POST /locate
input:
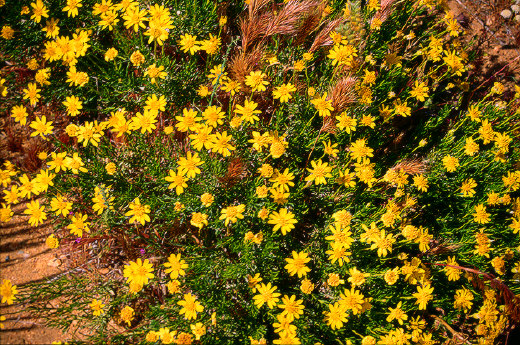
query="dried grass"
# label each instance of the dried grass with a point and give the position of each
(243, 63)
(289, 19)
(323, 37)
(384, 12)
(411, 167)
(343, 94)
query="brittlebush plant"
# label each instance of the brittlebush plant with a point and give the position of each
(262, 172)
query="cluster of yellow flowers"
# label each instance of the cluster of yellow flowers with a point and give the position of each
(341, 161)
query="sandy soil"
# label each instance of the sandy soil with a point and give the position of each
(24, 258)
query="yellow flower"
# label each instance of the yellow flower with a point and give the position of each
(296, 264)
(342, 54)
(306, 286)
(36, 212)
(134, 18)
(72, 7)
(203, 91)
(7, 291)
(97, 307)
(402, 108)
(111, 54)
(352, 300)
(481, 216)
(189, 44)
(346, 123)
(189, 165)
(52, 242)
(175, 266)
(319, 172)
(79, 224)
(32, 93)
(255, 80)
(450, 163)
(322, 105)
(137, 58)
(5, 213)
(51, 28)
(391, 276)
(155, 72)
(155, 104)
(357, 278)
(359, 150)
(178, 181)
(423, 295)
(110, 168)
(232, 213)
(467, 187)
(173, 286)
(73, 105)
(39, 11)
(199, 219)
(397, 314)
(292, 308)
(420, 91)
(334, 279)
(463, 299)
(75, 163)
(299, 65)
(7, 32)
(138, 212)
(266, 294)
(283, 220)
(248, 111)
(138, 272)
(383, 243)
(452, 273)
(190, 307)
(19, 113)
(108, 20)
(198, 330)
(127, 314)
(211, 45)
(283, 92)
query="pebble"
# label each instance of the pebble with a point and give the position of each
(506, 14)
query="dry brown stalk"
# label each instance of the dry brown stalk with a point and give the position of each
(457, 338)
(384, 11)
(511, 301)
(289, 18)
(412, 166)
(255, 6)
(343, 94)
(323, 38)
(236, 171)
(243, 63)
(253, 29)
(310, 23)
(329, 125)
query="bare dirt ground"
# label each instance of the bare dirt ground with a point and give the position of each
(497, 38)
(24, 258)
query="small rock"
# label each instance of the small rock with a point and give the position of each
(515, 8)
(103, 271)
(506, 14)
(517, 18)
(54, 262)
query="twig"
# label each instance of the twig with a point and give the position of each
(454, 333)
